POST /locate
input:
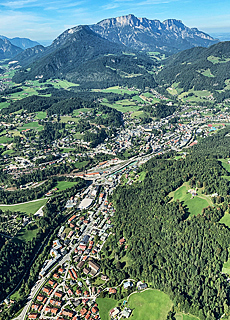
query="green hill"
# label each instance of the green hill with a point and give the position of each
(81, 56)
(199, 69)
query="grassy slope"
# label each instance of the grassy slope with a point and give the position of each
(105, 305)
(63, 185)
(28, 208)
(182, 316)
(196, 204)
(150, 304)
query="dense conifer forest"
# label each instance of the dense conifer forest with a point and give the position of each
(180, 254)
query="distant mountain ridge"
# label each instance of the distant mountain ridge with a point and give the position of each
(23, 43)
(8, 50)
(112, 52)
(152, 35)
(84, 57)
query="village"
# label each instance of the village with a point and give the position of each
(72, 278)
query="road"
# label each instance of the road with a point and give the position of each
(71, 248)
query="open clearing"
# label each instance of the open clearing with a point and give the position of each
(31, 125)
(27, 235)
(105, 305)
(194, 204)
(226, 267)
(28, 208)
(63, 185)
(226, 219)
(117, 89)
(150, 304)
(182, 316)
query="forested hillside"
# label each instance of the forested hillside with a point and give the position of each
(181, 255)
(199, 69)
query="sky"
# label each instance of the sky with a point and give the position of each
(46, 19)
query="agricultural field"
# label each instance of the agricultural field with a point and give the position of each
(41, 115)
(150, 304)
(66, 119)
(225, 164)
(64, 84)
(216, 60)
(119, 106)
(28, 207)
(78, 111)
(27, 235)
(206, 73)
(105, 305)
(31, 125)
(196, 96)
(138, 114)
(226, 219)
(63, 185)
(182, 316)
(4, 105)
(226, 267)
(195, 204)
(118, 90)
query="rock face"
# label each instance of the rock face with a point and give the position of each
(143, 34)
(8, 50)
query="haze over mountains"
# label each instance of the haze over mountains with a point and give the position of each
(23, 43)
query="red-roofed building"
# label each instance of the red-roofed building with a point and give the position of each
(83, 311)
(35, 307)
(54, 311)
(71, 275)
(51, 282)
(94, 309)
(33, 316)
(70, 292)
(47, 310)
(58, 294)
(47, 291)
(60, 270)
(122, 241)
(72, 218)
(40, 298)
(112, 290)
(67, 313)
(74, 273)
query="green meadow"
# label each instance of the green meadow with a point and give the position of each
(150, 304)
(194, 204)
(29, 207)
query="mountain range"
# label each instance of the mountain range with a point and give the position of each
(23, 43)
(152, 35)
(118, 51)
(84, 57)
(8, 50)
(140, 34)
